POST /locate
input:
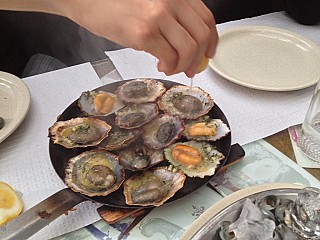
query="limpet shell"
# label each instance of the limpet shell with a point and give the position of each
(99, 103)
(195, 159)
(136, 115)
(120, 138)
(94, 173)
(162, 131)
(79, 132)
(186, 102)
(205, 129)
(140, 90)
(140, 157)
(153, 187)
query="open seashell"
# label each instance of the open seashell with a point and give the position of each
(139, 157)
(140, 90)
(79, 132)
(186, 102)
(136, 115)
(94, 173)
(120, 138)
(205, 129)
(153, 187)
(99, 103)
(162, 131)
(195, 159)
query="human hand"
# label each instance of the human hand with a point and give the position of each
(178, 32)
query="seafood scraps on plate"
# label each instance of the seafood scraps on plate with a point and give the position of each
(135, 128)
(277, 217)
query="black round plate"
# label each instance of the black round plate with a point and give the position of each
(60, 155)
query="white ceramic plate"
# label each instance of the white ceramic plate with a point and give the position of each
(225, 207)
(267, 58)
(14, 103)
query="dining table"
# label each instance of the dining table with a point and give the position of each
(260, 122)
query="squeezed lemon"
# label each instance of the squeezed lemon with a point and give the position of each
(203, 64)
(10, 203)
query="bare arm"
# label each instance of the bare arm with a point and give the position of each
(59, 7)
(178, 32)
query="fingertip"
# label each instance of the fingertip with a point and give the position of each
(160, 67)
(211, 52)
(190, 73)
(167, 69)
(169, 73)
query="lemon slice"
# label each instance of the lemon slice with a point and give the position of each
(203, 64)
(10, 203)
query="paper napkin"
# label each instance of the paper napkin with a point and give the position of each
(24, 156)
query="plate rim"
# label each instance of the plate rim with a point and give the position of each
(282, 32)
(227, 201)
(23, 105)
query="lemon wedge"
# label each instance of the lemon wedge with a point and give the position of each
(10, 203)
(203, 64)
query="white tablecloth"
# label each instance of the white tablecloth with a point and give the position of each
(24, 156)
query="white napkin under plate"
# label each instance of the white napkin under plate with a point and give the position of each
(24, 156)
(252, 114)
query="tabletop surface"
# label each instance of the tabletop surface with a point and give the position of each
(177, 216)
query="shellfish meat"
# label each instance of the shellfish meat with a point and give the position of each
(120, 138)
(79, 132)
(94, 173)
(186, 102)
(136, 115)
(205, 129)
(153, 187)
(139, 157)
(162, 131)
(140, 90)
(99, 103)
(195, 159)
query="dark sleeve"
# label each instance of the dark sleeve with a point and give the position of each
(304, 11)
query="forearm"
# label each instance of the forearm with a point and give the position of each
(58, 7)
(180, 33)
